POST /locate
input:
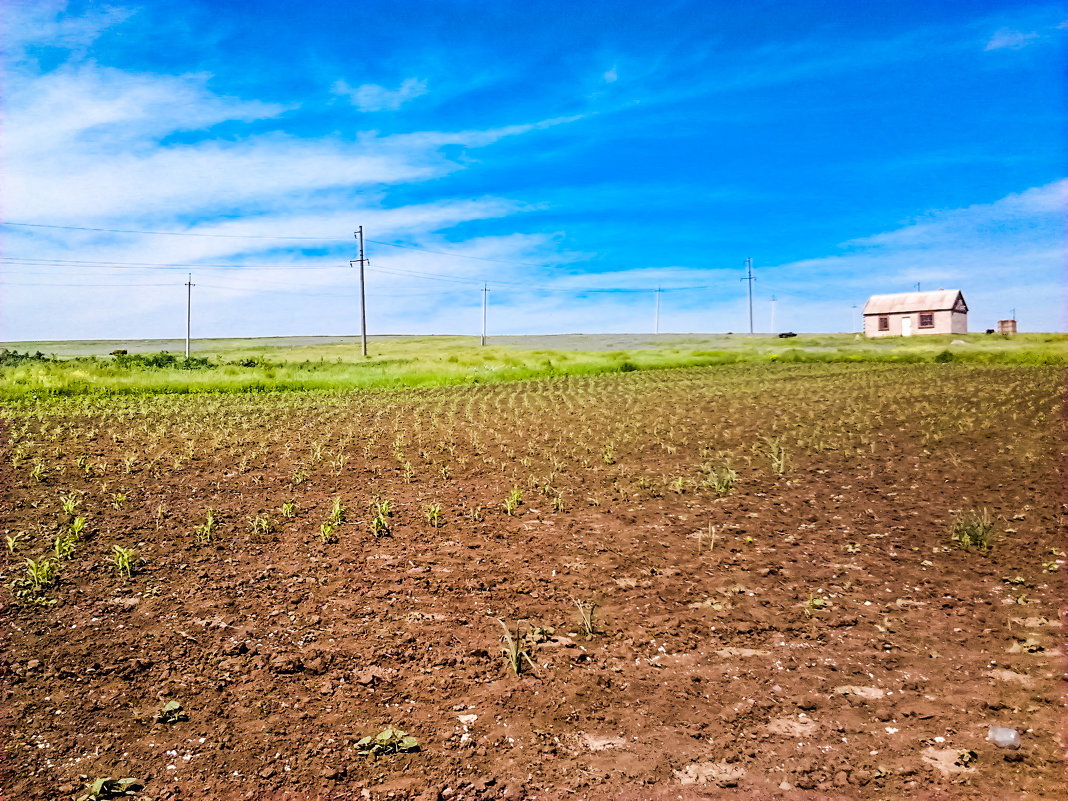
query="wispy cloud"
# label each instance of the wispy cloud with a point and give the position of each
(372, 97)
(1006, 38)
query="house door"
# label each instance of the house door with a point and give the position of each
(906, 326)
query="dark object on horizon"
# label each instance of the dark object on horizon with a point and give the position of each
(120, 352)
(990, 330)
(787, 335)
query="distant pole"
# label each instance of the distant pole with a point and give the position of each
(1014, 314)
(656, 323)
(917, 286)
(772, 314)
(363, 293)
(485, 303)
(749, 277)
(854, 317)
(188, 311)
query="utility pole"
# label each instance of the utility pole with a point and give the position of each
(188, 311)
(1014, 314)
(656, 323)
(854, 317)
(917, 286)
(772, 314)
(485, 303)
(363, 294)
(749, 277)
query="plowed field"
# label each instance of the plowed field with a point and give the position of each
(734, 582)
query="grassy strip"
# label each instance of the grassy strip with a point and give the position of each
(439, 361)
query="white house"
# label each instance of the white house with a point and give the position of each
(908, 313)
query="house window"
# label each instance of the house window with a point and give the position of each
(884, 322)
(926, 319)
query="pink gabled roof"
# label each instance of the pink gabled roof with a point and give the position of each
(903, 302)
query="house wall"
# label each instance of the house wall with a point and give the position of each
(945, 322)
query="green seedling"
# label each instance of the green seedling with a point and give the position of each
(815, 603)
(289, 510)
(608, 455)
(203, 533)
(514, 499)
(433, 514)
(77, 526)
(388, 741)
(83, 463)
(40, 573)
(515, 653)
(722, 479)
(973, 529)
(337, 512)
(172, 712)
(37, 576)
(852, 547)
(379, 526)
(118, 499)
(125, 560)
(70, 503)
(586, 610)
(408, 474)
(65, 544)
(13, 540)
(327, 533)
(300, 475)
(261, 525)
(38, 472)
(558, 503)
(102, 789)
(476, 514)
(445, 472)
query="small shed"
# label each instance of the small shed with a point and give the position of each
(906, 313)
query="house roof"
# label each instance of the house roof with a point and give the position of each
(904, 302)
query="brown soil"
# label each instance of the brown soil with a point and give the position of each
(813, 634)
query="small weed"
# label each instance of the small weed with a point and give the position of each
(172, 712)
(608, 455)
(476, 514)
(558, 503)
(408, 474)
(388, 741)
(101, 789)
(289, 510)
(300, 475)
(118, 499)
(38, 472)
(852, 547)
(973, 529)
(678, 486)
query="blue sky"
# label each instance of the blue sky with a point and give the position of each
(575, 156)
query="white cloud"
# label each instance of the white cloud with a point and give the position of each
(372, 97)
(1007, 38)
(611, 76)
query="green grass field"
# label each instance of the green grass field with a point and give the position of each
(335, 363)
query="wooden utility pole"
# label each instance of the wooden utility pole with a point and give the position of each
(363, 292)
(485, 303)
(749, 277)
(188, 311)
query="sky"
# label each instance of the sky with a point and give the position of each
(572, 158)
